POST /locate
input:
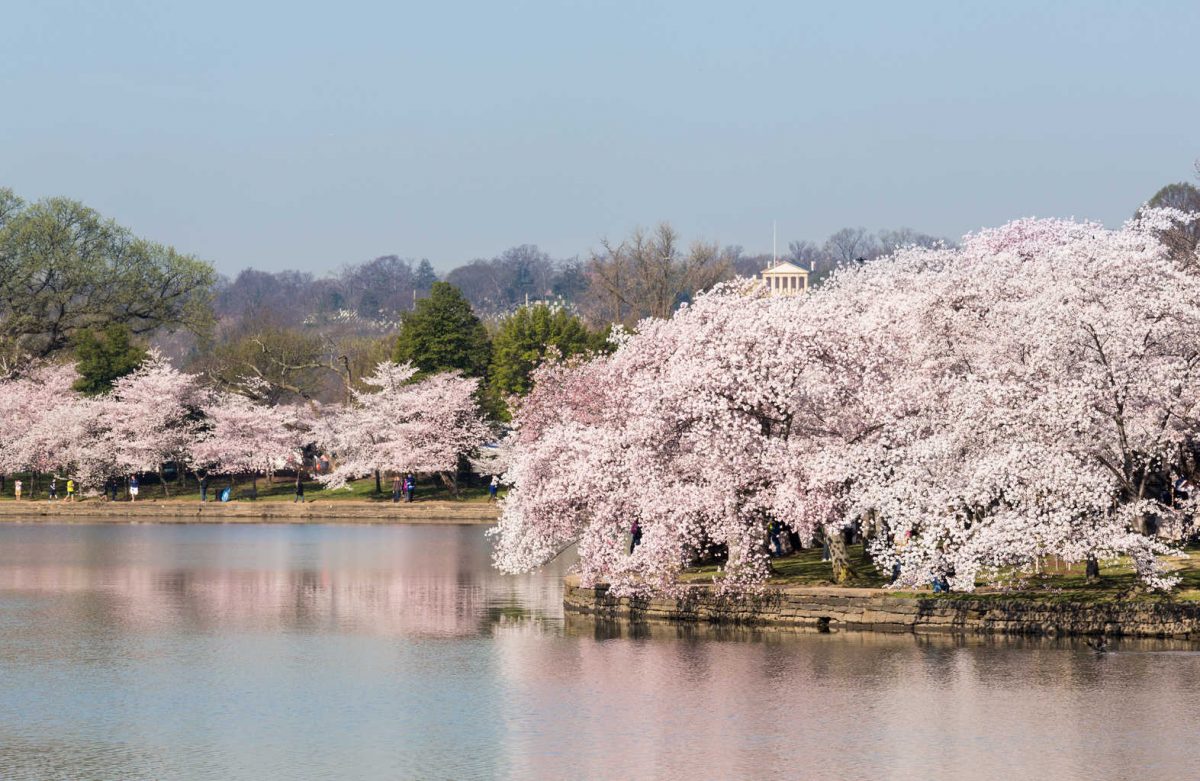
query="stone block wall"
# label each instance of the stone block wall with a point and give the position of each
(880, 610)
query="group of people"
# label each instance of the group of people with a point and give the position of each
(53, 488)
(112, 487)
(407, 485)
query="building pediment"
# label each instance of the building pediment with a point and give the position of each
(784, 268)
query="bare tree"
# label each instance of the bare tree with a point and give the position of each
(850, 244)
(648, 275)
(498, 284)
(891, 240)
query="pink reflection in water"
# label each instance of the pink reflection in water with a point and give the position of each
(318, 652)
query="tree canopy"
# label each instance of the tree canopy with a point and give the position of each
(443, 334)
(523, 338)
(973, 410)
(64, 268)
(105, 355)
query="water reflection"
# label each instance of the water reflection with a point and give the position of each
(397, 652)
(370, 580)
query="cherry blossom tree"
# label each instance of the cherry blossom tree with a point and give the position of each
(973, 410)
(240, 436)
(494, 458)
(688, 431)
(401, 426)
(35, 417)
(152, 416)
(46, 427)
(1064, 358)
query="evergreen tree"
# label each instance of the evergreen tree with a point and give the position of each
(522, 341)
(443, 334)
(104, 356)
(425, 276)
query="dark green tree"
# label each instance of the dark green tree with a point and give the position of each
(104, 355)
(443, 334)
(523, 339)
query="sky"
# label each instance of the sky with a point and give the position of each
(309, 136)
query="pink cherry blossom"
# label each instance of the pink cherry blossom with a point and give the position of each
(400, 426)
(975, 410)
(240, 436)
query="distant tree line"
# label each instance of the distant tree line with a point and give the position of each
(75, 284)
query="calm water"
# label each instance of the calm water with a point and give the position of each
(298, 652)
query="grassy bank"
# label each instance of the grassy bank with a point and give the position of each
(1056, 581)
(245, 490)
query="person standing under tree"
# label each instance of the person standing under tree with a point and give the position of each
(635, 535)
(70, 489)
(396, 487)
(53, 487)
(17, 489)
(299, 488)
(773, 534)
(410, 487)
(493, 488)
(134, 487)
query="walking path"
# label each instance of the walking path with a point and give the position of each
(181, 511)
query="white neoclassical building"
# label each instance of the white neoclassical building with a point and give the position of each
(785, 279)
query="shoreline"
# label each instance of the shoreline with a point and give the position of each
(833, 608)
(181, 511)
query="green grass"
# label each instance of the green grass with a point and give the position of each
(1055, 583)
(282, 490)
(804, 568)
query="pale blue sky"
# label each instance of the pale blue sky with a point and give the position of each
(311, 135)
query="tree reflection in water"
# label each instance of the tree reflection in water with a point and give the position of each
(356, 651)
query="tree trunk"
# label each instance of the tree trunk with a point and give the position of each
(378, 483)
(254, 485)
(838, 558)
(1092, 570)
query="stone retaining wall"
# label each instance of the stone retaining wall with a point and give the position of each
(880, 610)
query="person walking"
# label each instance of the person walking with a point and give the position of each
(70, 489)
(134, 487)
(204, 488)
(17, 489)
(635, 534)
(410, 487)
(299, 488)
(397, 485)
(113, 487)
(773, 531)
(493, 488)
(53, 488)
